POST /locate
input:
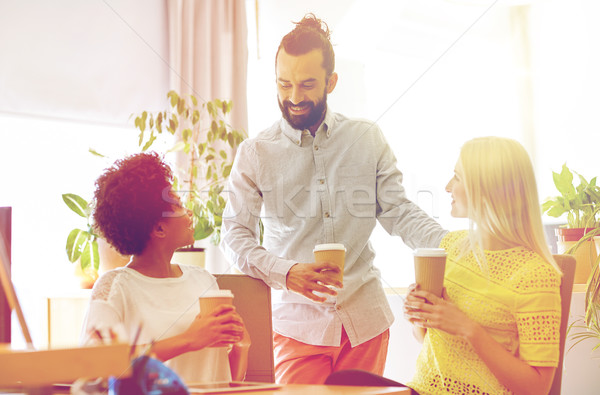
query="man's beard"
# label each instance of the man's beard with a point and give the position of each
(304, 121)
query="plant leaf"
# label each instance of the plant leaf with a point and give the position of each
(174, 98)
(202, 229)
(180, 145)
(227, 171)
(75, 241)
(149, 142)
(94, 152)
(76, 203)
(186, 134)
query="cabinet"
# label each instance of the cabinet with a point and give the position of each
(66, 312)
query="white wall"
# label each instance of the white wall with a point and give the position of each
(71, 74)
(435, 74)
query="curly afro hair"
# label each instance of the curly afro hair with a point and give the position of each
(130, 198)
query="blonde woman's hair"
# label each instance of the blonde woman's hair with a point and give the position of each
(502, 196)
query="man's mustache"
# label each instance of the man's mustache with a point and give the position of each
(287, 104)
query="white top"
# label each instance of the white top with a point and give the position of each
(332, 188)
(165, 307)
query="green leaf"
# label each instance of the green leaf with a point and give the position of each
(194, 100)
(227, 171)
(141, 138)
(556, 212)
(140, 123)
(180, 145)
(218, 220)
(210, 107)
(76, 239)
(173, 123)
(228, 107)
(149, 142)
(202, 229)
(564, 182)
(77, 204)
(90, 256)
(174, 98)
(181, 106)
(223, 154)
(94, 152)
(186, 134)
(195, 117)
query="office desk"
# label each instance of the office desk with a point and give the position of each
(303, 389)
(290, 389)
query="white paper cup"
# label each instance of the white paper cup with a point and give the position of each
(332, 252)
(211, 299)
(430, 264)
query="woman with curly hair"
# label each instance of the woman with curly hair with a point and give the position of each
(137, 211)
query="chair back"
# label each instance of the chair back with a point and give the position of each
(252, 300)
(567, 265)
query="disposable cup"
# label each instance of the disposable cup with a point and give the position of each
(430, 264)
(331, 252)
(211, 299)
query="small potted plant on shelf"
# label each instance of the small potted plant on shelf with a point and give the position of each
(581, 204)
(199, 135)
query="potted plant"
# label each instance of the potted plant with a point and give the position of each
(90, 253)
(198, 134)
(82, 244)
(588, 327)
(581, 204)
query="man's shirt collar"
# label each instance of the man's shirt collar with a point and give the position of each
(295, 135)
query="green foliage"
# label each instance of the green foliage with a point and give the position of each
(592, 293)
(200, 133)
(581, 203)
(81, 244)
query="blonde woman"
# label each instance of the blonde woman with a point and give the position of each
(496, 329)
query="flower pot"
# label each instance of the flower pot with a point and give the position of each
(190, 256)
(86, 278)
(585, 255)
(570, 234)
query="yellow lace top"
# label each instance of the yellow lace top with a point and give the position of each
(518, 303)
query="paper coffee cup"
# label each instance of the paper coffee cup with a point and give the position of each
(211, 299)
(430, 264)
(332, 252)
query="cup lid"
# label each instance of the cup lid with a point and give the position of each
(329, 246)
(430, 252)
(217, 293)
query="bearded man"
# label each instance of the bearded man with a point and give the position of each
(318, 177)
